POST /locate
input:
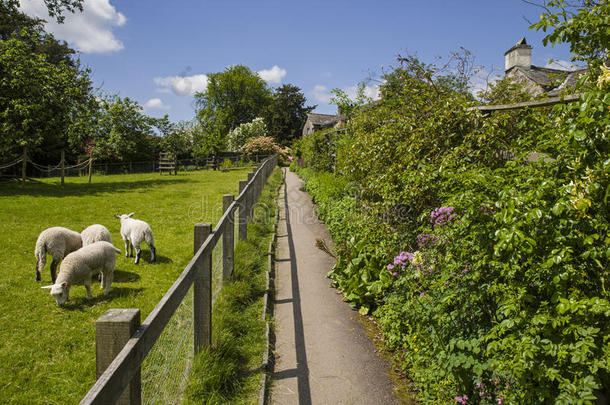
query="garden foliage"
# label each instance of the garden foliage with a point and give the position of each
(480, 243)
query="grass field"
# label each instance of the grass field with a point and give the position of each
(47, 353)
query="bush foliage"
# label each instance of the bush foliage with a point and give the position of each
(481, 244)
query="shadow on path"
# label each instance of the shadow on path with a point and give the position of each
(301, 372)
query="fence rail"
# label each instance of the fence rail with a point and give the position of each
(30, 169)
(124, 369)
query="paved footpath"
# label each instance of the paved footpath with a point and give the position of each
(322, 352)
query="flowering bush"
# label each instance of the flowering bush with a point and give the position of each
(264, 145)
(238, 137)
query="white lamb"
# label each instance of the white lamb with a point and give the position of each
(136, 231)
(58, 242)
(95, 233)
(79, 266)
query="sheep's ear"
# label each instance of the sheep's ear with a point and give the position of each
(47, 287)
(129, 215)
(64, 284)
(117, 216)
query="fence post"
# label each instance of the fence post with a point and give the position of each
(112, 331)
(202, 291)
(24, 165)
(228, 237)
(63, 165)
(251, 196)
(90, 164)
(243, 211)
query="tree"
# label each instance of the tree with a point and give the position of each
(286, 114)
(55, 8)
(176, 138)
(12, 25)
(233, 97)
(583, 24)
(125, 133)
(39, 101)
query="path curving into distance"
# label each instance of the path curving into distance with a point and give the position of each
(322, 353)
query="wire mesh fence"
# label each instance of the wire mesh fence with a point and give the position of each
(166, 368)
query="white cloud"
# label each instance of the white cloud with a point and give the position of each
(273, 75)
(321, 94)
(371, 92)
(182, 85)
(89, 31)
(156, 103)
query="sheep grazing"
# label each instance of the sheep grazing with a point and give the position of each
(58, 242)
(79, 266)
(136, 231)
(95, 233)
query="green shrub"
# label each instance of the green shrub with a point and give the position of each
(497, 290)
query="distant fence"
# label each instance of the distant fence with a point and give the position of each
(25, 167)
(122, 344)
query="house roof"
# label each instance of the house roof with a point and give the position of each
(522, 43)
(323, 119)
(551, 80)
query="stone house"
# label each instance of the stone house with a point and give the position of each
(538, 80)
(317, 122)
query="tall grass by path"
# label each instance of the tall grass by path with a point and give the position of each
(230, 371)
(47, 353)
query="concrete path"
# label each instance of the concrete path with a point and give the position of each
(322, 352)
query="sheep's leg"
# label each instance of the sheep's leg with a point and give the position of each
(153, 253)
(126, 247)
(109, 277)
(54, 264)
(138, 253)
(87, 283)
(101, 276)
(38, 278)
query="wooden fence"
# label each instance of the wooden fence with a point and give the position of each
(122, 343)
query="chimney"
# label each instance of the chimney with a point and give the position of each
(519, 55)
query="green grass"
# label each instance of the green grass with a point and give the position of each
(47, 353)
(230, 371)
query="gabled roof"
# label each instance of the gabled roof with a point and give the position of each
(522, 43)
(548, 78)
(323, 119)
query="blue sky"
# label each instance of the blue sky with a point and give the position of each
(158, 52)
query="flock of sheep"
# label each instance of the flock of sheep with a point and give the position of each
(85, 254)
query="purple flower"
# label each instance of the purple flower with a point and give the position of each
(427, 239)
(403, 258)
(395, 274)
(422, 294)
(462, 400)
(441, 216)
(390, 267)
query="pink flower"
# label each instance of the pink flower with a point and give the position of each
(501, 400)
(479, 384)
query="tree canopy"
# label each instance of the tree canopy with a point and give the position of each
(286, 114)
